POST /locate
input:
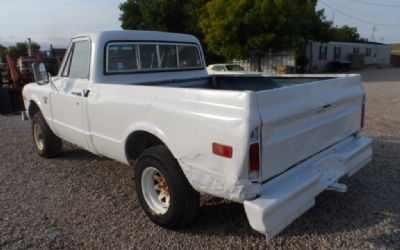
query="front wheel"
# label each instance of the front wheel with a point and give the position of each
(46, 143)
(163, 190)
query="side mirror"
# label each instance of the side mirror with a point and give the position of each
(40, 73)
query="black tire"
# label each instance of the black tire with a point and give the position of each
(184, 201)
(50, 144)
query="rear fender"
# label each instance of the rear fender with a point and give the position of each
(154, 130)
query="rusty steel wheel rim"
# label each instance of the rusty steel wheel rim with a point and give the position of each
(155, 190)
(38, 136)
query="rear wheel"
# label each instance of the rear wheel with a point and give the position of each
(46, 143)
(163, 190)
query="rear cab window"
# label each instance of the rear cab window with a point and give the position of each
(133, 57)
(188, 56)
(148, 56)
(122, 58)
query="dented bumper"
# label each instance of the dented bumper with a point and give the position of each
(289, 195)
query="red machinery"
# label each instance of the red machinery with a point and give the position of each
(18, 78)
(10, 95)
(19, 74)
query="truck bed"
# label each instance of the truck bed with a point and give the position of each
(258, 83)
(240, 82)
(299, 115)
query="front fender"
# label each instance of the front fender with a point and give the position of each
(40, 95)
(29, 103)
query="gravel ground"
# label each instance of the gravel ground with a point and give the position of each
(82, 201)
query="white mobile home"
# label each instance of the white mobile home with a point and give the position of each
(321, 54)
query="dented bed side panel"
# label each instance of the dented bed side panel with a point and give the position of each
(188, 121)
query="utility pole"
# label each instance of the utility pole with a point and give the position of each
(29, 47)
(373, 34)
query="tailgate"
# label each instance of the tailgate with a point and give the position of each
(303, 119)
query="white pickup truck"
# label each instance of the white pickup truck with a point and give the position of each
(145, 98)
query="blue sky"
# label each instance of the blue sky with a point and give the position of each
(55, 21)
(364, 14)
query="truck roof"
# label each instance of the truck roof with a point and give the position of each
(100, 40)
(140, 35)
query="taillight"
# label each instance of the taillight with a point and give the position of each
(254, 157)
(222, 150)
(362, 111)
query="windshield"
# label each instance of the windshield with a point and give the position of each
(234, 67)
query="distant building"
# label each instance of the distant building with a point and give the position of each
(322, 55)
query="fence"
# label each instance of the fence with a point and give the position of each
(395, 60)
(269, 63)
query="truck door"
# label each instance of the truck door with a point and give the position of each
(67, 102)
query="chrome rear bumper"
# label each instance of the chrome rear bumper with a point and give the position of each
(289, 195)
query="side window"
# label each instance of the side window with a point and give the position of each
(148, 56)
(323, 52)
(189, 56)
(168, 56)
(121, 58)
(79, 65)
(337, 53)
(368, 52)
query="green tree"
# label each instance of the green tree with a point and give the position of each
(21, 49)
(181, 16)
(345, 34)
(3, 52)
(237, 28)
(159, 15)
(243, 28)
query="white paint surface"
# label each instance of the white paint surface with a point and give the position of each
(292, 123)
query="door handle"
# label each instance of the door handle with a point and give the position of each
(86, 92)
(76, 93)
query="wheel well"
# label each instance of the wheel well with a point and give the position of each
(137, 142)
(33, 109)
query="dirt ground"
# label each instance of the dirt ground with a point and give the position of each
(383, 101)
(82, 201)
